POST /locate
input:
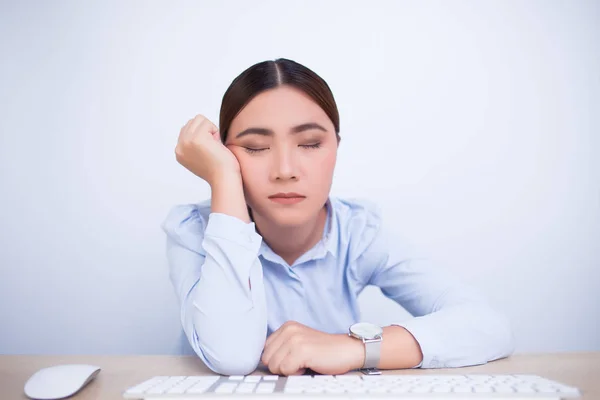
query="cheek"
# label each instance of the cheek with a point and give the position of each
(322, 166)
(252, 172)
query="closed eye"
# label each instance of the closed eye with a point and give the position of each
(311, 146)
(252, 150)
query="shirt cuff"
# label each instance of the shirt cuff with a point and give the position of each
(233, 229)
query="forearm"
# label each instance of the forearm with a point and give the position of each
(399, 349)
(228, 196)
(230, 328)
(462, 335)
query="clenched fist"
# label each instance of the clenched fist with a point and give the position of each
(294, 347)
(199, 149)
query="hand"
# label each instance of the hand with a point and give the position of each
(200, 150)
(294, 347)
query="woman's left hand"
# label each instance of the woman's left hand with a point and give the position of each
(294, 347)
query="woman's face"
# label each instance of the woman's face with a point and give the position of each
(285, 143)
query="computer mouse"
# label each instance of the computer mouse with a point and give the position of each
(59, 381)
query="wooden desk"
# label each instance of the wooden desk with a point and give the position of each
(121, 372)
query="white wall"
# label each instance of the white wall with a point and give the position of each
(473, 124)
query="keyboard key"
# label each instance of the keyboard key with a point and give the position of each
(462, 389)
(270, 377)
(198, 389)
(379, 389)
(524, 389)
(142, 387)
(373, 378)
(503, 389)
(421, 389)
(482, 389)
(236, 378)
(568, 390)
(245, 388)
(324, 378)
(165, 385)
(348, 378)
(252, 378)
(228, 387)
(357, 389)
(400, 389)
(265, 388)
(293, 389)
(182, 386)
(441, 389)
(545, 388)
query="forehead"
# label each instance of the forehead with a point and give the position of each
(280, 108)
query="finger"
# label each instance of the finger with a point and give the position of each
(287, 326)
(269, 350)
(273, 336)
(277, 358)
(274, 342)
(193, 123)
(185, 127)
(208, 126)
(292, 364)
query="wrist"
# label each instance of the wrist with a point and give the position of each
(225, 178)
(228, 196)
(355, 349)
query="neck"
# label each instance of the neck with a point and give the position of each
(290, 242)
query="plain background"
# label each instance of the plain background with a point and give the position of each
(474, 125)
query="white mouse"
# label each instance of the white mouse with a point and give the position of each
(59, 381)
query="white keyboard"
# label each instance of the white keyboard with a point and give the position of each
(354, 387)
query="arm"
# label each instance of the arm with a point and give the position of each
(212, 268)
(453, 325)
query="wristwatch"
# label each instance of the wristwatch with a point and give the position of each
(371, 335)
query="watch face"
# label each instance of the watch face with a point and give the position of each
(366, 330)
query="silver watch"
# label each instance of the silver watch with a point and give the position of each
(371, 335)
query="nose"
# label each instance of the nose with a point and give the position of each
(284, 165)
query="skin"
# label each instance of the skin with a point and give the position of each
(250, 167)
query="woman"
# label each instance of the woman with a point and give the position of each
(269, 269)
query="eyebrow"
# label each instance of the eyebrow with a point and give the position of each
(269, 132)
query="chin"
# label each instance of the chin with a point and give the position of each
(286, 216)
(289, 217)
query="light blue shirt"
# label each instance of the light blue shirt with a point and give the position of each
(213, 256)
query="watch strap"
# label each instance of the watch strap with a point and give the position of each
(372, 353)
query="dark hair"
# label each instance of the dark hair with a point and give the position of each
(271, 74)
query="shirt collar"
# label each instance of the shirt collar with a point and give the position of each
(327, 244)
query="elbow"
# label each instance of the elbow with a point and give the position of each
(504, 342)
(232, 350)
(492, 339)
(236, 366)
(497, 337)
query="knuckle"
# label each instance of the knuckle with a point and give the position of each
(296, 340)
(178, 152)
(273, 370)
(290, 325)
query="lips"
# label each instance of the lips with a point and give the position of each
(287, 198)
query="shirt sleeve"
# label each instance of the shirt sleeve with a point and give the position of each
(453, 323)
(217, 276)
